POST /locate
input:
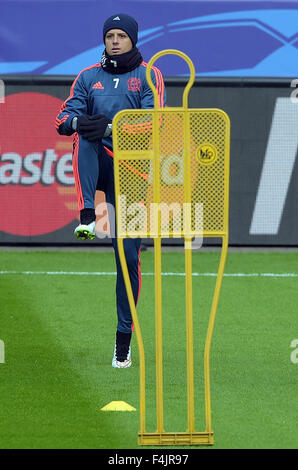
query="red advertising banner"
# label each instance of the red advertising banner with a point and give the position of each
(36, 176)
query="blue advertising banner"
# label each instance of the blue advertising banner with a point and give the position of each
(223, 38)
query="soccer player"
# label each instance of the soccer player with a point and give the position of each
(97, 94)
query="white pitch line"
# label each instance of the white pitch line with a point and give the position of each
(111, 273)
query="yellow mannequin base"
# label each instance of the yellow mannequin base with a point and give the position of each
(176, 438)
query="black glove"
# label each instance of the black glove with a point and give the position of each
(94, 127)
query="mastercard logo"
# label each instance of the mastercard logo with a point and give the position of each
(36, 176)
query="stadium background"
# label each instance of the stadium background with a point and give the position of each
(245, 55)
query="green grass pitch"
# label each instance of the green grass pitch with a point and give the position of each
(59, 331)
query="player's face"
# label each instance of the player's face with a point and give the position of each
(117, 42)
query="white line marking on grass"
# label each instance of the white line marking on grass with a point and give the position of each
(111, 273)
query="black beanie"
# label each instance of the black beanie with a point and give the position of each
(122, 21)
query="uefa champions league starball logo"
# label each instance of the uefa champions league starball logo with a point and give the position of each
(252, 42)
